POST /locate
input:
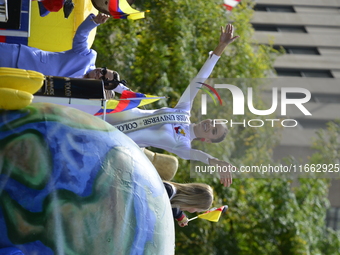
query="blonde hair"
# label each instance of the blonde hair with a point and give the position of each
(193, 195)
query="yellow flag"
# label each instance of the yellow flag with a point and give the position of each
(214, 214)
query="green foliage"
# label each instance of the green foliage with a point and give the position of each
(327, 144)
(265, 217)
(160, 55)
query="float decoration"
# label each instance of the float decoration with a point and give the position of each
(47, 6)
(17, 87)
(71, 183)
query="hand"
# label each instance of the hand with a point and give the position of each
(226, 38)
(224, 171)
(227, 34)
(101, 18)
(183, 222)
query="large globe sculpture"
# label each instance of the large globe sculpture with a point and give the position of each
(72, 184)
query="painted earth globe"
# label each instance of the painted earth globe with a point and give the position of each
(70, 183)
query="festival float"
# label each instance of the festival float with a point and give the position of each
(70, 183)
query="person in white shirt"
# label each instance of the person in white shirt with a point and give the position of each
(176, 137)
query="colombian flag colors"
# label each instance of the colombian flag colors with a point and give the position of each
(127, 101)
(120, 9)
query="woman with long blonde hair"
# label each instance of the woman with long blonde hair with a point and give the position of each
(191, 197)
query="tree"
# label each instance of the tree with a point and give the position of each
(160, 54)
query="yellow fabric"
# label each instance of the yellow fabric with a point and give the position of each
(139, 15)
(211, 216)
(17, 87)
(112, 104)
(55, 33)
(19, 79)
(133, 13)
(13, 99)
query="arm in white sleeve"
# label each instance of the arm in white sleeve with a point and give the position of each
(120, 88)
(191, 91)
(192, 154)
(200, 156)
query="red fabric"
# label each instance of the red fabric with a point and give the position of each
(2, 37)
(228, 7)
(53, 5)
(181, 218)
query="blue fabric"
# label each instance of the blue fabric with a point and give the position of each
(10, 251)
(42, 10)
(71, 63)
